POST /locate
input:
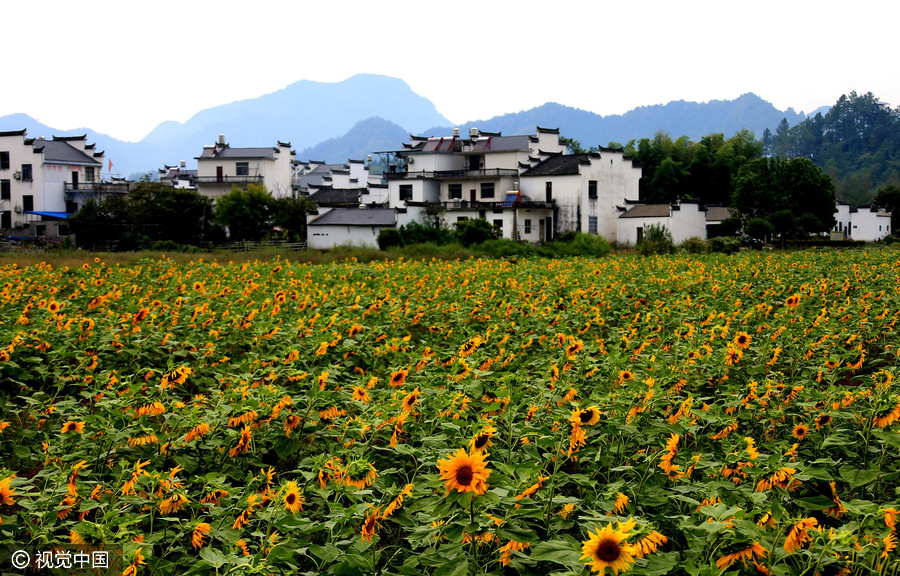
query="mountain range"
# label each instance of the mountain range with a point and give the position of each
(367, 113)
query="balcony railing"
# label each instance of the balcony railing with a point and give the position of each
(466, 205)
(97, 187)
(228, 179)
(451, 174)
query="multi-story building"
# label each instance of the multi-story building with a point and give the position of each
(43, 181)
(867, 223)
(220, 167)
(526, 186)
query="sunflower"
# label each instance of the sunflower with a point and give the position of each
(607, 548)
(482, 441)
(792, 301)
(465, 472)
(7, 492)
(742, 340)
(626, 375)
(199, 531)
(574, 348)
(586, 417)
(800, 431)
(360, 394)
(743, 554)
(359, 473)
(370, 523)
(72, 427)
(822, 420)
(53, 306)
(399, 377)
(293, 500)
(799, 534)
(410, 400)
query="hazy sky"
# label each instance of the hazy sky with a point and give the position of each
(123, 67)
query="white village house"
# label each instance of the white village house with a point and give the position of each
(220, 167)
(43, 181)
(525, 185)
(683, 221)
(866, 223)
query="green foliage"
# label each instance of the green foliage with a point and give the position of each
(857, 142)
(685, 170)
(657, 240)
(695, 245)
(412, 234)
(475, 231)
(248, 213)
(151, 212)
(782, 191)
(759, 228)
(725, 244)
(289, 214)
(576, 244)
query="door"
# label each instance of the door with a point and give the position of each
(640, 234)
(220, 174)
(548, 223)
(74, 180)
(472, 196)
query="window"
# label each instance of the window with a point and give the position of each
(455, 191)
(26, 172)
(528, 226)
(592, 189)
(28, 203)
(63, 230)
(592, 224)
(548, 188)
(40, 230)
(487, 190)
(406, 192)
(498, 224)
(4, 160)
(242, 168)
(4, 189)
(462, 218)
(89, 173)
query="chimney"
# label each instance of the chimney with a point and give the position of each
(221, 139)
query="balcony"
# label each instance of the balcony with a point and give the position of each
(227, 180)
(97, 188)
(458, 205)
(452, 174)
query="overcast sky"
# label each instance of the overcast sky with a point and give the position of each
(123, 67)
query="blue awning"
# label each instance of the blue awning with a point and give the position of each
(57, 215)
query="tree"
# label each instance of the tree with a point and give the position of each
(289, 214)
(475, 231)
(793, 195)
(247, 213)
(888, 197)
(150, 212)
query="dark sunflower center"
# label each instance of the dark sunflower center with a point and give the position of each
(464, 475)
(608, 551)
(290, 499)
(481, 440)
(585, 416)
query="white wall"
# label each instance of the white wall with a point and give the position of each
(868, 225)
(682, 224)
(323, 237)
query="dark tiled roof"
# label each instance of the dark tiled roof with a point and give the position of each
(62, 152)
(329, 196)
(561, 165)
(648, 211)
(717, 213)
(357, 217)
(501, 144)
(13, 133)
(226, 151)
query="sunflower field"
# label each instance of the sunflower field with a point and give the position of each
(663, 415)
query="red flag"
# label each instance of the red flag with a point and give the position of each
(110, 166)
